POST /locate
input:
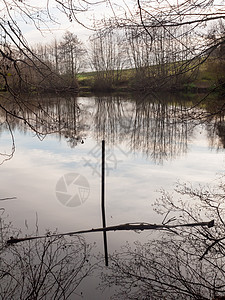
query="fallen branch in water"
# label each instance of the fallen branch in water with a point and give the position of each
(127, 226)
(9, 198)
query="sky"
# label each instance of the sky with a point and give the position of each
(98, 10)
(55, 29)
(33, 36)
(56, 21)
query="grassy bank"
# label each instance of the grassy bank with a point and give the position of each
(204, 78)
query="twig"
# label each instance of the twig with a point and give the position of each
(211, 246)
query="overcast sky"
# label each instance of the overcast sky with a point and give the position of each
(53, 30)
(33, 36)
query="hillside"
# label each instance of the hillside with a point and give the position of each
(205, 77)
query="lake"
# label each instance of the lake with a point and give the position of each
(53, 167)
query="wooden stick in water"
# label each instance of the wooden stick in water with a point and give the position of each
(103, 204)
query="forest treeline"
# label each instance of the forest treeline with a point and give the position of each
(129, 58)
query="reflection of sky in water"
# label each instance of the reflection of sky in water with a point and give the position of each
(131, 184)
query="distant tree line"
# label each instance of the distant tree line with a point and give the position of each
(163, 45)
(166, 58)
(52, 67)
(156, 60)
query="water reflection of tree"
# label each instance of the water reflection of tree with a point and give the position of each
(188, 264)
(49, 268)
(49, 115)
(158, 127)
(45, 115)
(216, 128)
(153, 127)
(109, 110)
(160, 134)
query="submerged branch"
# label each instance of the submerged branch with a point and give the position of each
(127, 226)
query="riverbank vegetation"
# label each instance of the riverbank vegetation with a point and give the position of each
(115, 59)
(208, 77)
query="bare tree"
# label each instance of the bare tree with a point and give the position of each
(107, 58)
(171, 36)
(159, 59)
(72, 55)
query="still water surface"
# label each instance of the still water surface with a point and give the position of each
(149, 146)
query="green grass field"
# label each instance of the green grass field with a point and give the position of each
(206, 76)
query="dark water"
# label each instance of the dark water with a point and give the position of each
(55, 173)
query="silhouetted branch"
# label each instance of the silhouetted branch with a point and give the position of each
(211, 246)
